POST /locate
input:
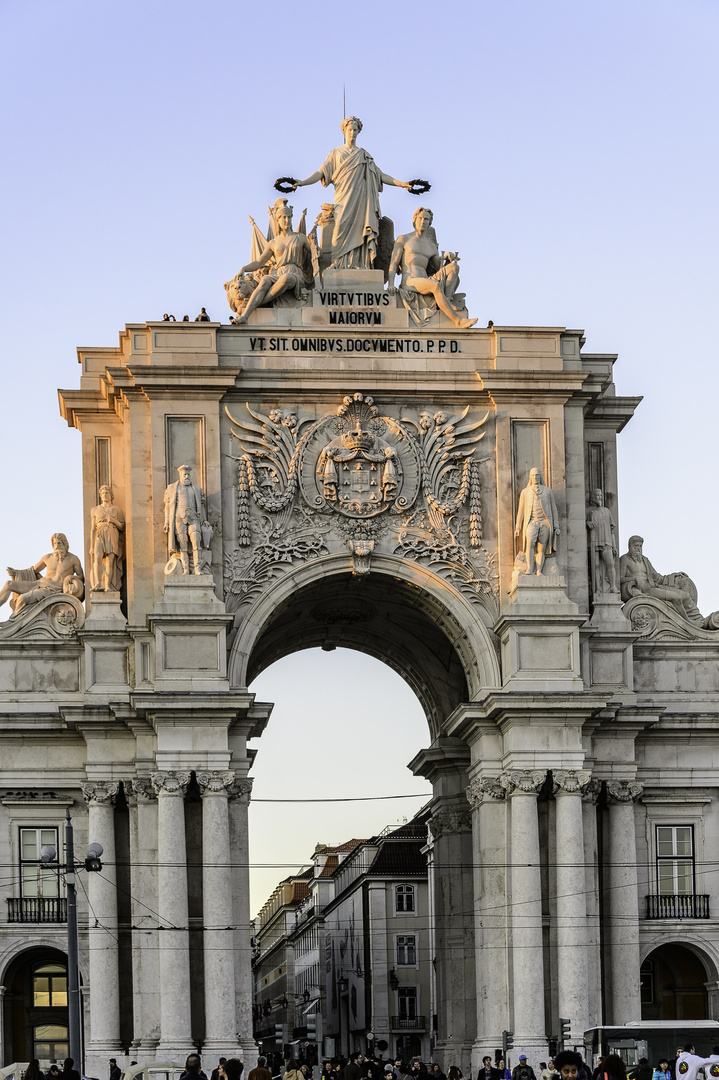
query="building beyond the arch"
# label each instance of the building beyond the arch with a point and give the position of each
(305, 480)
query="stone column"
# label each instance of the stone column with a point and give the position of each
(527, 961)
(450, 827)
(623, 902)
(590, 796)
(175, 1014)
(486, 797)
(572, 965)
(239, 801)
(142, 802)
(102, 931)
(220, 1018)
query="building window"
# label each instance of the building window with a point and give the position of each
(49, 987)
(407, 1002)
(37, 879)
(404, 898)
(675, 859)
(50, 1042)
(406, 949)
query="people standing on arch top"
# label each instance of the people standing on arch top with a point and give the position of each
(523, 1070)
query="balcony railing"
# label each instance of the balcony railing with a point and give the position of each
(37, 909)
(408, 1023)
(677, 906)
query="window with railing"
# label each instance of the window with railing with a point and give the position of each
(37, 879)
(675, 859)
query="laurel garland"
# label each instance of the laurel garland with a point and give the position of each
(243, 504)
(475, 506)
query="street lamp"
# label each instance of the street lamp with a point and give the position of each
(48, 855)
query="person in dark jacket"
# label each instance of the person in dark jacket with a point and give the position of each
(488, 1071)
(115, 1070)
(523, 1071)
(69, 1073)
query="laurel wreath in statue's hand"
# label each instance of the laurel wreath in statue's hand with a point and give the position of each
(286, 184)
(418, 187)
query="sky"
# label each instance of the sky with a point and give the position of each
(572, 151)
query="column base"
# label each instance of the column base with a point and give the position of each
(174, 1051)
(228, 1048)
(453, 1053)
(536, 1047)
(97, 1054)
(249, 1051)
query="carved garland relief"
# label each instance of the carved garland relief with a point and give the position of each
(356, 480)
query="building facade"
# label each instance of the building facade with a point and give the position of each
(308, 480)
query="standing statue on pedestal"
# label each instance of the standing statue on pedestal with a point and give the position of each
(186, 522)
(428, 283)
(603, 545)
(63, 574)
(537, 522)
(107, 524)
(357, 182)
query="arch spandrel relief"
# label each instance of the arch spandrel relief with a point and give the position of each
(359, 480)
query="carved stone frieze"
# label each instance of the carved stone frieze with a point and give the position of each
(523, 781)
(484, 787)
(358, 480)
(624, 791)
(171, 782)
(570, 781)
(447, 821)
(102, 792)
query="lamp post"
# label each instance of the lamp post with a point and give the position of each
(48, 855)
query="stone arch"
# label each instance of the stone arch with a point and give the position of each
(21, 1014)
(401, 613)
(682, 973)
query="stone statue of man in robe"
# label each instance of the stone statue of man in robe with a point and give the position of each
(537, 522)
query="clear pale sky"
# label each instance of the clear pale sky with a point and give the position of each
(572, 150)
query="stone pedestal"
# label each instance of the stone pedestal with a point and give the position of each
(607, 659)
(106, 645)
(190, 635)
(539, 635)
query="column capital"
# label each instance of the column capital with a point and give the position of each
(570, 781)
(523, 781)
(100, 792)
(484, 786)
(592, 791)
(215, 781)
(241, 789)
(171, 782)
(449, 821)
(624, 791)
(142, 789)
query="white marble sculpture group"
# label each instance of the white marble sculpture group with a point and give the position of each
(287, 264)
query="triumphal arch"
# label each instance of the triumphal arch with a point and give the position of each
(352, 460)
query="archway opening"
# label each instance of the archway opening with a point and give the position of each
(673, 981)
(35, 1012)
(399, 623)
